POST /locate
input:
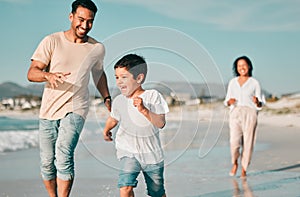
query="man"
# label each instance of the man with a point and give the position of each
(64, 60)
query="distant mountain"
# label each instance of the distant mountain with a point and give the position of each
(11, 89)
(193, 89)
(36, 88)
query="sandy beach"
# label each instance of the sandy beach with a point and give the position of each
(197, 158)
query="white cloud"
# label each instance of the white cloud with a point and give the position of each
(267, 15)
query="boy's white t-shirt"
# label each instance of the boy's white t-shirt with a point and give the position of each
(137, 136)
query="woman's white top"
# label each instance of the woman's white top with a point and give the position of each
(243, 94)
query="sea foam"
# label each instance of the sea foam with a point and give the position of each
(18, 140)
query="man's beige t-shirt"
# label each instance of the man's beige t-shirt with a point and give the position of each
(61, 55)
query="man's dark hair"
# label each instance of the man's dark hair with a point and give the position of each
(135, 64)
(86, 4)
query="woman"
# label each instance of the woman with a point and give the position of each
(244, 99)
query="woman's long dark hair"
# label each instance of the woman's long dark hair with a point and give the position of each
(235, 72)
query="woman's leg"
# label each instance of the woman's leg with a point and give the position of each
(235, 139)
(249, 136)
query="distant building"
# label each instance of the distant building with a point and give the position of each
(20, 103)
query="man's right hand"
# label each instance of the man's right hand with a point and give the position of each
(54, 78)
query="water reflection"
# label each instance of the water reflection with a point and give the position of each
(244, 190)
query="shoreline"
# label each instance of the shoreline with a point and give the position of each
(202, 113)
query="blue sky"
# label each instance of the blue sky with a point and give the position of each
(192, 40)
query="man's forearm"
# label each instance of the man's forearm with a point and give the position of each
(102, 86)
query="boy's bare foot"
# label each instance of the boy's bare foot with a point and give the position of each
(233, 170)
(243, 174)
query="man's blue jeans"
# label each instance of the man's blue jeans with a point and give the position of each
(58, 140)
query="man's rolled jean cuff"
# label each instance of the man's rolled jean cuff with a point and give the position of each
(65, 177)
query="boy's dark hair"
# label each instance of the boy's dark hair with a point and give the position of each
(135, 64)
(235, 71)
(86, 4)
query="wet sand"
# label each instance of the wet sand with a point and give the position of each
(197, 162)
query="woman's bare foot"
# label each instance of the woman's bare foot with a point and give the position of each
(243, 174)
(233, 170)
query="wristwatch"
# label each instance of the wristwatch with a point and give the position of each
(108, 97)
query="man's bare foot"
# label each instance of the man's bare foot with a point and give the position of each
(233, 170)
(243, 174)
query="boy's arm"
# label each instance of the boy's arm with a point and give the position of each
(110, 124)
(157, 120)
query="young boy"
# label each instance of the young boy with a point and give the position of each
(140, 113)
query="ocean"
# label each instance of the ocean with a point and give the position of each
(22, 132)
(17, 134)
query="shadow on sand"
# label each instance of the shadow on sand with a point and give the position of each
(286, 168)
(241, 187)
